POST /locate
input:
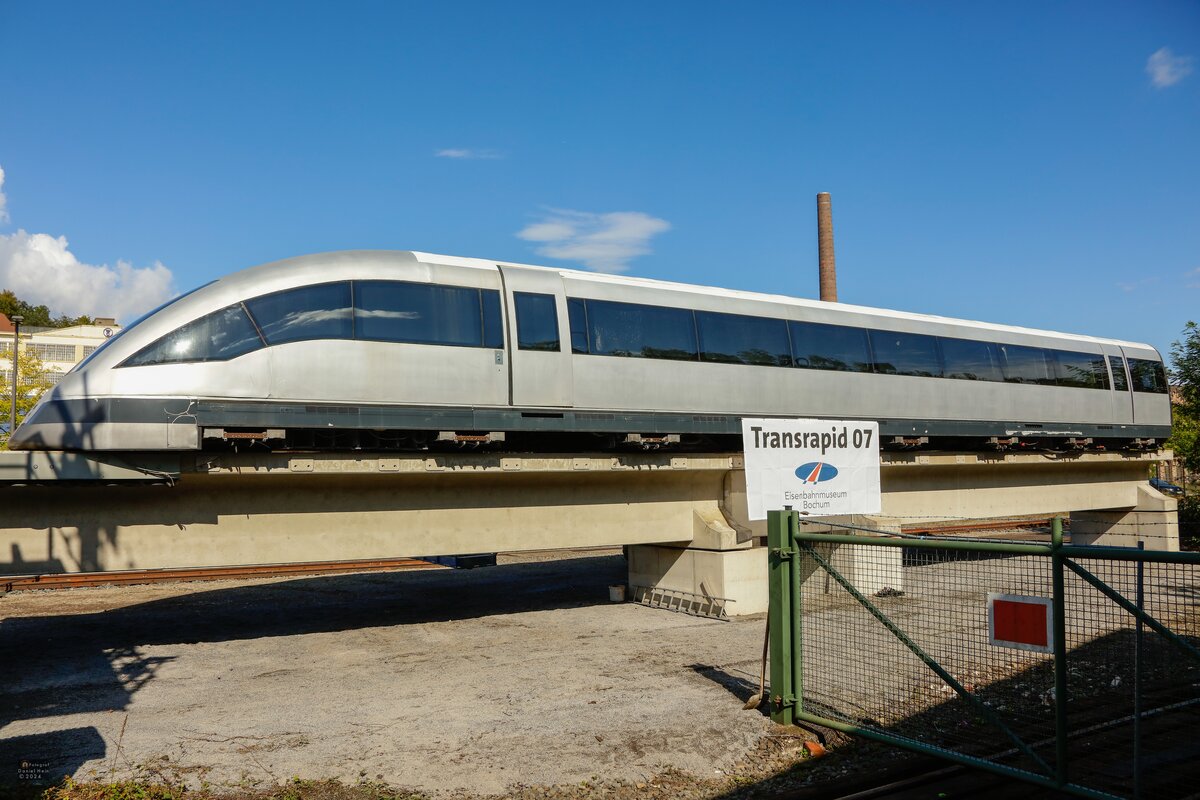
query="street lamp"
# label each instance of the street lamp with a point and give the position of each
(17, 319)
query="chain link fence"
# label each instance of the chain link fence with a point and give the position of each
(890, 637)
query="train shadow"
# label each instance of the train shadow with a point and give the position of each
(63, 664)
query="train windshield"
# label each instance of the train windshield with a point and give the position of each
(134, 324)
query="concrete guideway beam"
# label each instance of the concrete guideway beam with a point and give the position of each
(689, 509)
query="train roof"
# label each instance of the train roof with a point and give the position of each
(318, 260)
(628, 280)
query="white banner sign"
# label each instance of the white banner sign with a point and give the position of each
(819, 467)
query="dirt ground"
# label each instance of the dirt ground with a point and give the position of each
(444, 681)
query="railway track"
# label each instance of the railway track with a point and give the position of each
(970, 527)
(15, 583)
(75, 580)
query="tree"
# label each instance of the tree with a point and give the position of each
(32, 381)
(37, 316)
(1185, 373)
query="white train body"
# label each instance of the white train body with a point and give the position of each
(385, 342)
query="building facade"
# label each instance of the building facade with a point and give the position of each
(59, 349)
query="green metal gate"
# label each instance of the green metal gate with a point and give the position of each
(888, 637)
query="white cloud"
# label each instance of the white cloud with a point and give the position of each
(41, 269)
(3, 199)
(1194, 279)
(468, 153)
(602, 242)
(1167, 69)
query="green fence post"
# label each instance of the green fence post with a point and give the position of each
(793, 528)
(1060, 653)
(779, 559)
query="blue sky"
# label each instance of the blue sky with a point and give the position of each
(1024, 163)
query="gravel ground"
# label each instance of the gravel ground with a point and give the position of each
(447, 682)
(521, 680)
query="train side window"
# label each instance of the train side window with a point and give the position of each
(421, 313)
(493, 319)
(738, 339)
(1080, 370)
(1120, 380)
(1147, 376)
(577, 318)
(1027, 365)
(970, 360)
(322, 311)
(816, 345)
(537, 321)
(899, 353)
(219, 336)
(640, 331)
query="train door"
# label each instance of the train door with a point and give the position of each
(1122, 394)
(539, 341)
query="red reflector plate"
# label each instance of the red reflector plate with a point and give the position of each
(1020, 622)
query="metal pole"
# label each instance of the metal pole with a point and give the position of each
(779, 590)
(17, 319)
(1060, 654)
(1137, 682)
(797, 618)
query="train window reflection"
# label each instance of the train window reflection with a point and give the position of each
(638, 331)
(1081, 370)
(738, 339)
(899, 353)
(418, 313)
(1026, 365)
(966, 359)
(1147, 376)
(836, 347)
(537, 321)
(309, 312)
(220, 336)
(577, 319)
(1120, 381)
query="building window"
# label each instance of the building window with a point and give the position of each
(537, 321)
(54, 352)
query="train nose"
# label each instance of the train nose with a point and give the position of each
(30, 433)
(51, 424)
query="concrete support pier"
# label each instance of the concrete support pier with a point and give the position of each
(1153, 520)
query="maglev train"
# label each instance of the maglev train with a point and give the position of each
(404, 350)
